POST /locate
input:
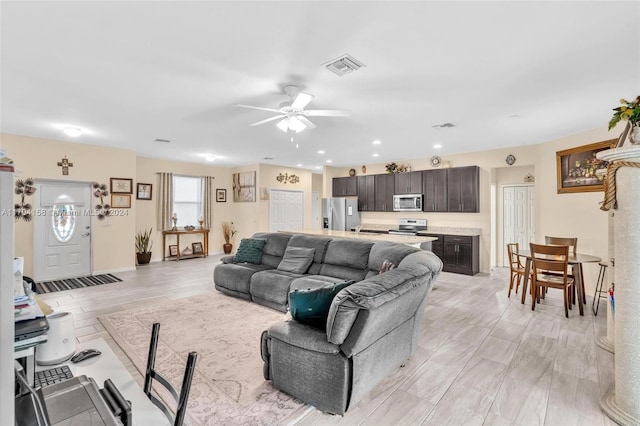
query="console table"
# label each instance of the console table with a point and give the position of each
(177, 233)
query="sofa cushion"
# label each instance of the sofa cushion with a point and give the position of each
(311, 305)
(391, 252)
(318, 243)
(249, 251)
(351, 253)
(274, 247)
(272, 285)
(236, 276)
(296, 259)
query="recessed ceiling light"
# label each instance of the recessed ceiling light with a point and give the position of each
(298, 165)
(376, 142)
(210, 158)
(329, 161)
(318, 167)
(72, 131)
(437, 146)
(267, 158)
(375, 155)
(321, 152)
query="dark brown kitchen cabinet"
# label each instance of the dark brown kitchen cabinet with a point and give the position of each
(408, 183)
(384, 189)
(463, 187)
(434, 189)
(437, 246)
(461, 254)
(345, 187)
(366, 193)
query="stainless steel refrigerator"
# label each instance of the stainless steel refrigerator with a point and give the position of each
(340, 213)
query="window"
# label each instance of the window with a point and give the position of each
(187, 199)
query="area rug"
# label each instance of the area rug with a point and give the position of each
(71, 283)
(228, 385)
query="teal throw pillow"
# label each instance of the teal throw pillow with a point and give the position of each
(249, 251)
(311, 306)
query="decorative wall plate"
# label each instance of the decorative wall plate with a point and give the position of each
(352, 172)
(364, 169)
(511, 159)
(435, 161)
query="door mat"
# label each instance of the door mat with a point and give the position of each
(71, 283)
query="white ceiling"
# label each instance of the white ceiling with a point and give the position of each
(130, 72)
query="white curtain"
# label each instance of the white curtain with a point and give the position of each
(207, 201)
(165, 201)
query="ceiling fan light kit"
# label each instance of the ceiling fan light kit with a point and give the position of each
(292, 115)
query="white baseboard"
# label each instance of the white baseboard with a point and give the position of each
(113, 271)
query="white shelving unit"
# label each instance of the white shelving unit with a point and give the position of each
(6, 297)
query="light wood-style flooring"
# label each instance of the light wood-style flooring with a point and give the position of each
(482, 358)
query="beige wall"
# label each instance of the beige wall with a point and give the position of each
(146, 171)
(556, 214)
(112, 238)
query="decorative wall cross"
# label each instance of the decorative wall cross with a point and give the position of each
(65, 164)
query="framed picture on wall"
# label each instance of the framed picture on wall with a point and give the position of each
(120, 201)
(221, 195)
(579, 170)
(121, 186)
(143, 191)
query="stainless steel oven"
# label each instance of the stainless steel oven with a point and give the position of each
(407, 203)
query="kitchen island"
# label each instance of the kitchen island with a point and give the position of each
(412, 240)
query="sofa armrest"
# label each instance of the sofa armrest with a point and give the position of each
(302, 336)
(227, 259)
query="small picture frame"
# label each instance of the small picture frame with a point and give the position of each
(120, 201)
(221, 195)
(121, 186)
(143, 191)
(197, 248)
(173, 250)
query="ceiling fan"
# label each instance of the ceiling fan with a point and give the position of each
(292, 115)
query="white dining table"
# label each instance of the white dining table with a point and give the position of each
(575, 259)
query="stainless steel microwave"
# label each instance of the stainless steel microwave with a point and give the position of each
(407, 203)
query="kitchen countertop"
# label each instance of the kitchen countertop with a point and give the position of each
(363, 235)
(440, 230)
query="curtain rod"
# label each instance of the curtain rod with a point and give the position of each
(180, 174)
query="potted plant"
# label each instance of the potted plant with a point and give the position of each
(227, 233)
(143, 246)
(628, 110)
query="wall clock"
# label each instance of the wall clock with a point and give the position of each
(510, 159)
(435, 161)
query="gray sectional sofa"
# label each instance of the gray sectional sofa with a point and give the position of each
(372, 325)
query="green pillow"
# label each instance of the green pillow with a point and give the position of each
(311, 306)
(249, 251)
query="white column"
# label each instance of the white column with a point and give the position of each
(622, 404)
(607, 342)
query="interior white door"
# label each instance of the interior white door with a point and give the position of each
(315, 209)
(518, 205)
(286, 210)
(62, 230)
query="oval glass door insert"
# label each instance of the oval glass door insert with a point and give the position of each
(63, 221)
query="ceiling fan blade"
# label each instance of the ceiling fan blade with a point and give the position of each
(327, 113)
(306, 121)
(301, 101)
(260, 108)
(257, 123)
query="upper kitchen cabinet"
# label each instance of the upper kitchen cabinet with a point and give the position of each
(463, 188)
(408, 183)
(384, 187)
(434, 189)
(366, 193)
(345, 187)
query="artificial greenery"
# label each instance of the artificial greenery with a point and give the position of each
(227, 231)
(629, 110)
(143, 241)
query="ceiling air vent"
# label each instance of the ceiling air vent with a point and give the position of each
(343, 65)
(443, 125)
(162, 140)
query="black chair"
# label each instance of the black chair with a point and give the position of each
(152, 374)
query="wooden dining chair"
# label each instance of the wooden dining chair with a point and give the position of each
(572, 242)
(516, 267)
(550, 270)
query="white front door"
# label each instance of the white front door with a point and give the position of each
(286, 210)
(62, 230)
